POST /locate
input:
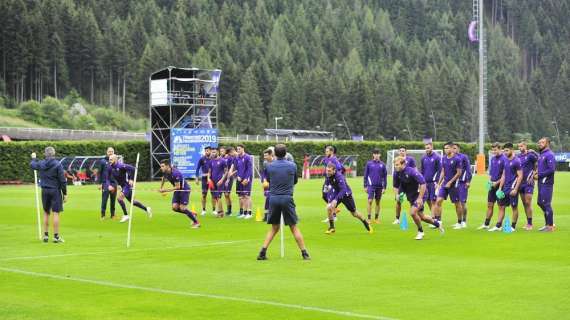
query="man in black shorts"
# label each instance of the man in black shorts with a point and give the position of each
(282, 176)
(340, 192)
(54, 190)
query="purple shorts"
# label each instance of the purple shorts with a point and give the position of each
(463, 192)
(348, 202)
(127, 192)
(218, 190)
(545, 194)
(242, 190)
(374, 192)
(526, 189)
(204, 185)
(492, 196)
(181, 197)
(452, 192)
(430, 191)
(509, 200)
(412, 200)
(227, 186)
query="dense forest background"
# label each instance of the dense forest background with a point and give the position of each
(390, 68)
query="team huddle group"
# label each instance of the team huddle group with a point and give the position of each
(438, 178)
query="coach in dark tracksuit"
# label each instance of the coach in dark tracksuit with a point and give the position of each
(54, 190)
(105, 193)
(282, 176)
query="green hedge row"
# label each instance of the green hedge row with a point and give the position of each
(15, 156)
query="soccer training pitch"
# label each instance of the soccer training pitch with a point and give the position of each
(174, 272)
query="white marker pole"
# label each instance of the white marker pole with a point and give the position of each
(282, 230)
(38, 204)
(132, 201)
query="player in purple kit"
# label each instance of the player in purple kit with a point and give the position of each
(202, 175)
(243, 169)
(216, 173)
(545, 177)
(410, 162)
(123, 174)
(463, 185)
(225, 153)
(330, 157)
(413, 184)
(496, 169)
(375, 180)
(341, 193)
(180, 191)
(430, 169)
(448, 185)
(528, 159)
(267, 159)
(510, 184)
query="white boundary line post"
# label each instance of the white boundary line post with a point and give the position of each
(38, 204)
(132, 201)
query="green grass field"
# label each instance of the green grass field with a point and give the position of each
(174, 272)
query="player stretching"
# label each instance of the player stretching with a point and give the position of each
(341, 193)
(330, 157)
(123, 174)
(375, 179)
(180, 190)
(413, 184)
(410, 162)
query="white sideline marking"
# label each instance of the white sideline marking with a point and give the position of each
(123, 251)
(195, 294)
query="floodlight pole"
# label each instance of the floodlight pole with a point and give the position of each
(276, 119)
(555, 123)
(432, 116)
(482, 78)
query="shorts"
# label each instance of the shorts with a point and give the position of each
(412, 200)
(282, 205)
(52, 200)
(452, 192)
(374, 192)
(204, 185)
(127, 192)
(430, 191)
(181, 197)
(228, 185)
(492, 195)
(509, 200)
(217, 191)
(463, 192)
(526, 189)
(242, 190)
(348, 202)
(545, 194)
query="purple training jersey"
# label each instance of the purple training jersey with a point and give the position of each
(528, 161)
(430, 167)
(512, 167)
(450, 167)
(497, 167)
(546, 167)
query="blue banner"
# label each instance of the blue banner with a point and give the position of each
(187, 146)
(562, 156)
